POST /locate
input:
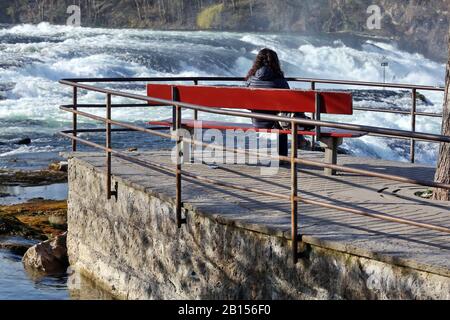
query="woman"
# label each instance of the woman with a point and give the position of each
(266, 73)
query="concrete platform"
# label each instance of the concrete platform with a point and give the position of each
(392, 243)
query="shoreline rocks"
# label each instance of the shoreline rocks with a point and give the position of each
(22, 225)
(61, 166)
(37, 219)
(12, 226)
(17, 246)
(20, 141)
(31, 178)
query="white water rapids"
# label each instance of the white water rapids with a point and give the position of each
(34, 57)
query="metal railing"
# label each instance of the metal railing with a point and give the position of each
(413, 113)
(294, 161)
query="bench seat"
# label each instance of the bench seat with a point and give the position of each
(279, 100)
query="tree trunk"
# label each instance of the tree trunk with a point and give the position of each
(443, 166)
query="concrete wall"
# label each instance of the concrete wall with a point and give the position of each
(133, 248)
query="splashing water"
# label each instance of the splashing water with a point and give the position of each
(34, 57)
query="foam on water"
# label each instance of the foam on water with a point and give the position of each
(34, 57)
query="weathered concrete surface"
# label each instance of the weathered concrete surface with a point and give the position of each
(236, 245)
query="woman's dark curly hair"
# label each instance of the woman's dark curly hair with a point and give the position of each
(268, 58)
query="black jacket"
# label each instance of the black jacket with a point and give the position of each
(266, 79)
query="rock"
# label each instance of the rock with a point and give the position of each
(16, 248)
(33, 219)
(11, 226)
(424, 99)
(21, 141)
(59, 166)
(54, 166)
(24, 141)
(58, 220)
(31, 178)
(48, 257)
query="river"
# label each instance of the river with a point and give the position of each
(34, 57)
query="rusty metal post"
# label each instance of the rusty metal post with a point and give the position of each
(413, 125)
(318, 113)
(179, 157)
(74, 118)
(294, 193)
(196, 111)
(108, 148)
(313, 139)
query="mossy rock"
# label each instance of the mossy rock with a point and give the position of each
(48, 218)
(11, 226)
(58, 221)
(31, 178)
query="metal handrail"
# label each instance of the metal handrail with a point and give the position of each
(290, 79)
(294, 198)
(328, 124)
(313, 83)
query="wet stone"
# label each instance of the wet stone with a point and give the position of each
(49, 257)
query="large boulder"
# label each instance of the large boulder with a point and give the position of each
(48, 257)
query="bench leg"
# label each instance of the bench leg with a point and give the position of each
(330, 144)
(283, 148)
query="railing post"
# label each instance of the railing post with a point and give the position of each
(413, 125)
(74, 118)
(294, 193)
(196, 111)
(179, 157)
(313, 139)
(108, 148)
(318, 113)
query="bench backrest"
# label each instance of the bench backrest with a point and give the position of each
(281, 100)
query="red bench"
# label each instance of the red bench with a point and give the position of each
(262, 100)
